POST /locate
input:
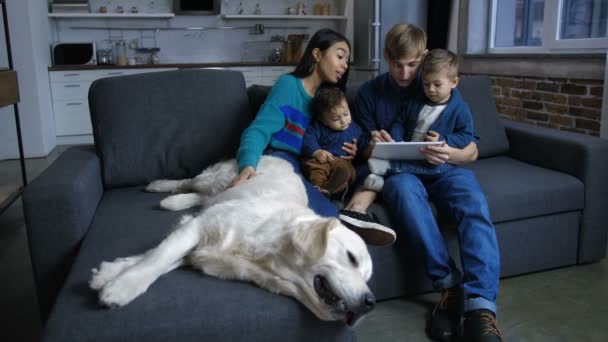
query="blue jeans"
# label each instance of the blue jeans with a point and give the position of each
(316, 201)
(456, 192)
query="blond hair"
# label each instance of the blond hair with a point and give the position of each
(405, 40)
(440, 60)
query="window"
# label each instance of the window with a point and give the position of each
(544, 26)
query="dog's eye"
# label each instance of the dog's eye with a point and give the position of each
(352, 259)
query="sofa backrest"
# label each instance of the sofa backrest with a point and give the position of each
(169, 124)
(476, 90)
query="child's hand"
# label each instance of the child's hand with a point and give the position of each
(437, 154)
(350, 149)
(432, 136)
(323, 156)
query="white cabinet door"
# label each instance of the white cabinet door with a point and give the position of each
(252, 75)
(70, 91)
(272, 74)
(72, 117)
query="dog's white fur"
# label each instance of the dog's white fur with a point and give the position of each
(260, 231)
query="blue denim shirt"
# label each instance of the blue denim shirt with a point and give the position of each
(382, 104)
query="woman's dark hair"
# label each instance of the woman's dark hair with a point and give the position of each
(322, 40)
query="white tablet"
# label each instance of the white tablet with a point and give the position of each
(401, 150)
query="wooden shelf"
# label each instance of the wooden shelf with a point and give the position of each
(284, 16)
(9, 88)
(113, 15)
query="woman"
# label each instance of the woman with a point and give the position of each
(283, 118)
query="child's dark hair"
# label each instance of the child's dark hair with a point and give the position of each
(326, 99)
(439, 60)
(322, 40)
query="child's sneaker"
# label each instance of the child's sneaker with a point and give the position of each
(373, 233)
(373, 182)
(378, 166)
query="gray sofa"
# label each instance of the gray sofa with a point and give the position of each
(544, 187)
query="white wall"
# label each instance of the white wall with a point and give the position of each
(29, 29)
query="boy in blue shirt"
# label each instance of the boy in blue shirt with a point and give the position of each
(442, 115)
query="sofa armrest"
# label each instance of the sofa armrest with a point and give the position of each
(584, 157)
(59, 206)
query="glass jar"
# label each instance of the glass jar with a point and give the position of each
(121, 52)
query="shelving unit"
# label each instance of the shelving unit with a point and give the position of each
(9, 95)
(113, 15)
(284, 16)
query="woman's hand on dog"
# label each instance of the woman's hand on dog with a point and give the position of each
(245, 174)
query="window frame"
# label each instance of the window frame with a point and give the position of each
(551, 43)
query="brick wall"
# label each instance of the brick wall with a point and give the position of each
(564, 104)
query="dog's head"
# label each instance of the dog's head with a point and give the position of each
(331, 267)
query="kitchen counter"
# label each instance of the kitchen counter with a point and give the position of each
(176, 65)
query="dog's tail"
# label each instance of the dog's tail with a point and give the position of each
(215, 178)
(169, 185)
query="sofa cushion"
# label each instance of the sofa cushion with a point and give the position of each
(166, 124)
(476, 90)
(517, 190)
(183, 305)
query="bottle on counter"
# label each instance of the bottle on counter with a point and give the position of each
(121, 52)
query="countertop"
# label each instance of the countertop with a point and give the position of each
(176, 65)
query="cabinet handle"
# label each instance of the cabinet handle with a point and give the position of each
(74, 104)
(72, 85)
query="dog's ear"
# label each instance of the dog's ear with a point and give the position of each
(311, 240)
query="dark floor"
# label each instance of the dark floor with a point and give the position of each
(569, 304)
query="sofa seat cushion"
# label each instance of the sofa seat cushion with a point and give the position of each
(183, 305)
(517, 190)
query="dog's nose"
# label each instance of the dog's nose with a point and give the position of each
(369, 301)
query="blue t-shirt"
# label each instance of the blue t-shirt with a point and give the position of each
(318, 136)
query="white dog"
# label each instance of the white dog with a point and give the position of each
(260, 231)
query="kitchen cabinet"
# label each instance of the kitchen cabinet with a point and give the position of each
(70, 89)
(262, 75)
(271, 74)
(69, 93)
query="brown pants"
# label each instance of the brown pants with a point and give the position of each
(319, 173)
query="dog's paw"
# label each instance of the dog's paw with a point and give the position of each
(180, 201)
(122, 290)
(108, 271)
(162, 185)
